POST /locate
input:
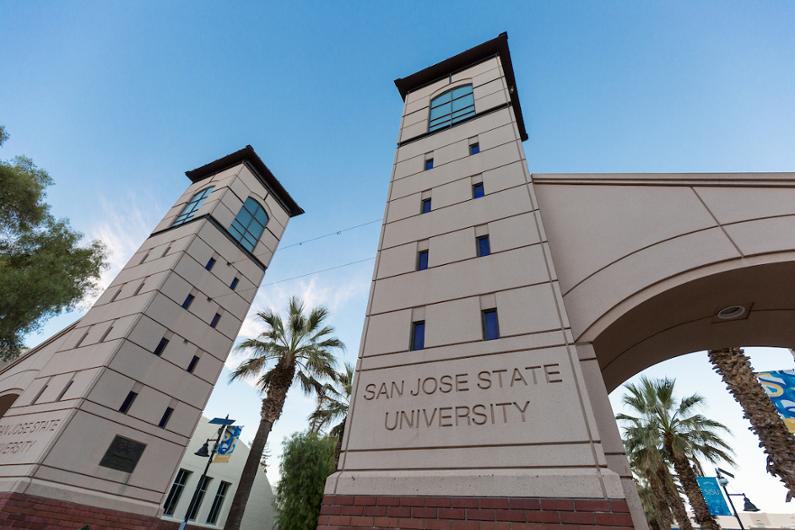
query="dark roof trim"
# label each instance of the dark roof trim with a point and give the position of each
(481, 52)
(465, 120)
(221, 229)
(248, 155)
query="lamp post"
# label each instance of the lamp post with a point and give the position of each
(748, 506)
(203, 452)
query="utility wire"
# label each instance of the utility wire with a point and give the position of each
(335, 233)
(319, 271)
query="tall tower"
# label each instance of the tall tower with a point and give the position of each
(109, 405)
(469, 399)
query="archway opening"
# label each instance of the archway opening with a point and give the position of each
(6, 402)
(746, 306)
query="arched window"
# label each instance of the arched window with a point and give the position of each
(451, 107)
(193, 204)
(249, 224)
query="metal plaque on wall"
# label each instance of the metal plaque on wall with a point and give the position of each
(123, 454)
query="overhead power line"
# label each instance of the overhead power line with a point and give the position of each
(335, 233)
(319, 271)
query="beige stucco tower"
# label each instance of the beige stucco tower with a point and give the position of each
(470, 402)
(105, 409)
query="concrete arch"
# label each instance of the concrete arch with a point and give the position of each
(646, 261)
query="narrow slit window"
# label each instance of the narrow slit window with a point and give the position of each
(215, 320)
(161, 347)
(140, 286)
(117, 293)
(192, 364)
(128, 401)
(478, 191)
(491, 326)
(196, 501)
(146, 255)
(64, 390)
(418, 335)
(39, 394)
(165, 252)
(166, 416)
(193, 205)
(210, 264)
(107, 332)
(176, 492)
(218, 502)
(484, 248)
(426, 205)
(188, 301)
(234, 283)
(422, 260)
(428, 164)
(474, 148)
(83, 338)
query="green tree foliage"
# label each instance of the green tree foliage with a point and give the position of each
(298, 349)
(43, 267)
(306, 462)
(660, 423)
(333, 402)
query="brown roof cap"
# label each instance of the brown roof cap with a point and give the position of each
(456, 63)
(247, 154)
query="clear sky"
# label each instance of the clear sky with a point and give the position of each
(117, 99)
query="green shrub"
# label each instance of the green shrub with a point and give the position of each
(307, 460)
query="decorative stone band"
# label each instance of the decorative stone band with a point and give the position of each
(472, 513)
(18, 510)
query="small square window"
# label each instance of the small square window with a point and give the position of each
(234, 283)
(166, 416)
(484, 248)
(128, 401)
(474, 148)
(426, 205)
(161, 346)
(418, 335)
(428, 164)
(422, 260)
(192, 364)
(478, 191)
(491, 327)
(215, 320)
(188, 301)
(210, 264)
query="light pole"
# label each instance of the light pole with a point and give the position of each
(748, 506)
(203, 451)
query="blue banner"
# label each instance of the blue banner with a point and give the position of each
(780, 387)
(227, 444)
(713, 495)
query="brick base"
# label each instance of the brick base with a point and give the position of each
(472, 513)
(18, 510)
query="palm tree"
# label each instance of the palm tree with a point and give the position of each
(685, 435)
(333, 401)
(644, 451)
(298, 349)
(735, 369)
(658, 514)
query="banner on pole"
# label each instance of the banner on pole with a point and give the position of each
(227, 444)
(713, 495)
(780, 387)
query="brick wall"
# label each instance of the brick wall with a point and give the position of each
(37, 513)
(472, 513)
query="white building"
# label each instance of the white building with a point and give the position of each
(215, 497)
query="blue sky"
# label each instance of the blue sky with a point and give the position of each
(117, 99)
